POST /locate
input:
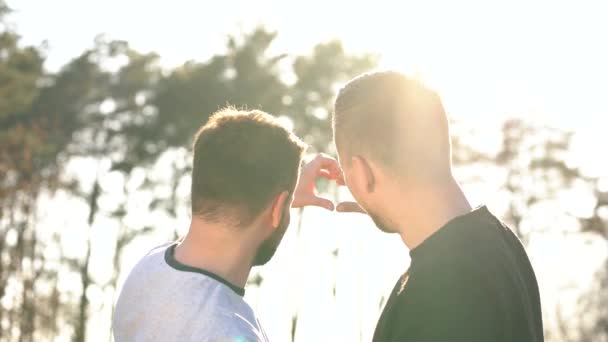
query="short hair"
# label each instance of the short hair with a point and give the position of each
(242, 160)
(394, 120)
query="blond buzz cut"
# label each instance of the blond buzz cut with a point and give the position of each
(394, 120)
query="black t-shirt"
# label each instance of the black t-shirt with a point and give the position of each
(470, 281)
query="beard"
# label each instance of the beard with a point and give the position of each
(269, 246)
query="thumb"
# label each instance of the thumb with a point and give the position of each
(350, 207)
(323, 203)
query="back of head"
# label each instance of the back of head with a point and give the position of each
(395, 121)
(242, 161)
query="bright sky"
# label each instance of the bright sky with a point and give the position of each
(487, 58)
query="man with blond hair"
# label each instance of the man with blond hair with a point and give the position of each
(469, 278)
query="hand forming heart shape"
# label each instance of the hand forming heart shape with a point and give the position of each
(321, 166)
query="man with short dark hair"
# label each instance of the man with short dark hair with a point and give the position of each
(469, 278)
(245, 170)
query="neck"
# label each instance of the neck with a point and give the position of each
(219, 249)
(425, 209)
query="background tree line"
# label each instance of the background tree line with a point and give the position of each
(109, 135)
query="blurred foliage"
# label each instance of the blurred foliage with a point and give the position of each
(537, 170)
(115, 113)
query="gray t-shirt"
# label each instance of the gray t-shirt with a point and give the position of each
(164, 300)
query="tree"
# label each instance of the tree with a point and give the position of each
(310, 99)
(592, 322)
(536, 170)
(24, 158)
(115, 107)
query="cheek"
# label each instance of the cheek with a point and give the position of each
(348, 178)
(286, 219)
(358, 196)
(352, 185)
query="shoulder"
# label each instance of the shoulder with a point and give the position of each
(234, 325)
(152, 260)
(440, 307)
(148, 273)
(454, 284)
(160, 249)
(232, 314)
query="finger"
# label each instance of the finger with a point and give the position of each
(311, 200)
(325, 174)
(329, 163)
(322, 162)
(340, 180)
(323, 203)
(324, 166)
(350, 207)
(332, 166)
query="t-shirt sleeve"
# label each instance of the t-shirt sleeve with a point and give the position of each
(442, 308)
(238, 329)
(233, 335)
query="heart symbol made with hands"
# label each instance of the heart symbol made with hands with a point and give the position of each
(326, 167)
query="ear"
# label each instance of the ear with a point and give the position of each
(362, 175)
(278, 206)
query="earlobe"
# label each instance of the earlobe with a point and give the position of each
(277, 208)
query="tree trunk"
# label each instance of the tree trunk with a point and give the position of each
(28, 294)
(83, 306)
(2, 280)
